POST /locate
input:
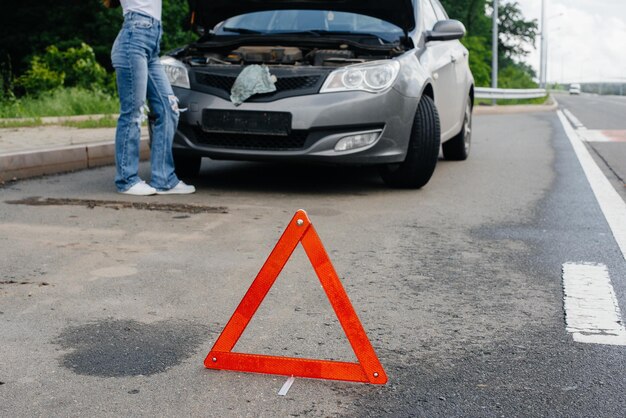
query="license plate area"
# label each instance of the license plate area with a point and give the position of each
(246, 121)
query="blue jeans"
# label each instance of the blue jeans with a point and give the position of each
(140, 75)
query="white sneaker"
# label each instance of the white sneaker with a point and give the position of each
(141, 189)
(180, 188)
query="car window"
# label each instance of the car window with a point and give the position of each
(285, 21)
(430, 18)
(439, 11)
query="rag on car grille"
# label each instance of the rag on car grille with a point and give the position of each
(290, 82)
(224, 82)
(243, 141)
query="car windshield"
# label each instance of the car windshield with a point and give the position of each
(315, 22)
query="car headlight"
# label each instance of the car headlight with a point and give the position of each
(176, 72)
(373, 77)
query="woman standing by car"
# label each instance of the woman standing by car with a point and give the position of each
(140, 75)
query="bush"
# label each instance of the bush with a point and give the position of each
(6, 79)
(74, 67)
(479, 59)
(40, 78)
(110, 86)
(82, 69)
(514, 77)
(176, 25)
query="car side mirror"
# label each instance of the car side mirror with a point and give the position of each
(446, 30)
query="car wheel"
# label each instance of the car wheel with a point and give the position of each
(421, 157)
(458, 148)
(187, 166)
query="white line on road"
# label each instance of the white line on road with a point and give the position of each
(592, 136)
(591, 310)
(575, 121)
(611, 203)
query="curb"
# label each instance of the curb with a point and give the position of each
(21, 165)
(51, 120)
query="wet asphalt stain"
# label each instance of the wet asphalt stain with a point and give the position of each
(16, 282)
(117, 205)
(114, 348)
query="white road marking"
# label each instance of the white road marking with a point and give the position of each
(589, 135)
(611, 203)
(591, 310)
(283, 391)
(577, 123)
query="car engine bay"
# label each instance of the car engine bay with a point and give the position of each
(338, 56)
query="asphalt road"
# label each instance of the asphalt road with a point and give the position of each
(603, 114)
(109, 310)
(596, 112)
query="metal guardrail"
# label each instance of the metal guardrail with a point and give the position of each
(490, 93)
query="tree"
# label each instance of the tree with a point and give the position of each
(176, 26)
(28, 27)
(515, 36)
(471, 13)
(479, 59)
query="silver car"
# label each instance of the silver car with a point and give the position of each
(362, 82)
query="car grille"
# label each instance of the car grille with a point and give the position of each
(294, 141)
(219, 82)
(225, 83)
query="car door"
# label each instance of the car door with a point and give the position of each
(438, 61)
(459, 57)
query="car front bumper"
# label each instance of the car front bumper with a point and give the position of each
(318, 122)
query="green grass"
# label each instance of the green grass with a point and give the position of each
(62, 102)
(28, 123)
(107, 121)
(504, 102)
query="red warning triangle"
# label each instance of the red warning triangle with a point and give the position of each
(368, 369)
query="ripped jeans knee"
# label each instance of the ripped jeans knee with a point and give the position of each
(173, 101)
(142, 114)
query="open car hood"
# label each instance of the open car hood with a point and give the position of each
(208, 13)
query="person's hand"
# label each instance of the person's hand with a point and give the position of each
(111, 4)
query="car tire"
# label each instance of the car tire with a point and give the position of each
(458, 148)
(187, 166)
(423, 151)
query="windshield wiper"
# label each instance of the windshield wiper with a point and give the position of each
(321, 32)
(241, 30)
(303, 32)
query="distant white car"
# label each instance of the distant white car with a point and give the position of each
(574, 88)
